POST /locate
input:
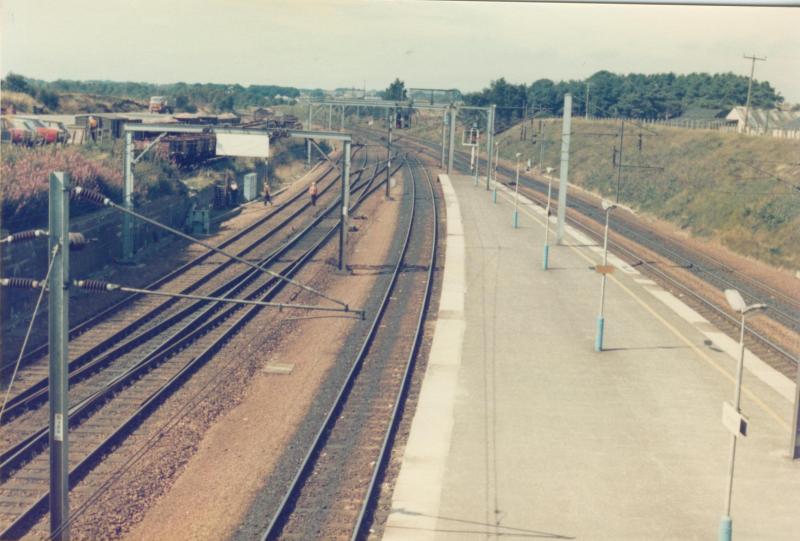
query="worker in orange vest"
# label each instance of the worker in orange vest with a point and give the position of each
(312, 191)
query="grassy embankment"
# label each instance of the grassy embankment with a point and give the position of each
(24, 175)
(739, 190)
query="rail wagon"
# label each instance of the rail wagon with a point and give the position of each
(184, 148)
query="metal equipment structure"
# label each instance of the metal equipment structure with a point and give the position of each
(128, 241)
(450, 110)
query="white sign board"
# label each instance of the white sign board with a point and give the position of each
(734, 421)
(254, 145)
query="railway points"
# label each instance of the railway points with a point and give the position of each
(522, 429)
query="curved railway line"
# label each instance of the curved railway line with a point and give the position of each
(783, 308)
(334, 488)
(114, 392)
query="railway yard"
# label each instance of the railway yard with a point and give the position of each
(193, 418)
(247, 295)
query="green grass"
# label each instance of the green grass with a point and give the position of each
(739, 190)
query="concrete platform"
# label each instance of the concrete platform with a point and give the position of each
(524, 432)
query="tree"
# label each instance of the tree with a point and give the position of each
(17, 83)
(48, 98)
(395, 91)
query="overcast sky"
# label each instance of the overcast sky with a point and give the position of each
(336, 43)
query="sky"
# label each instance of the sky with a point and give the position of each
(345, 43)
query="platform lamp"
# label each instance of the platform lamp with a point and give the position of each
(516, 195)
(608, 206)
(737, 303)
(546, 254)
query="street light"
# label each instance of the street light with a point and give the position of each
(736, 302)
(547, 219)
(608, 206)
(516, 195)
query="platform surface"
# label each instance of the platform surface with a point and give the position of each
(523, 431)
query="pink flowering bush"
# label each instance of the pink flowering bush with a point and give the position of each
(24, 178)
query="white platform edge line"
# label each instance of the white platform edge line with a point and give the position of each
(780, 383)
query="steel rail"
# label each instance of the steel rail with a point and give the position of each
(18, 527)
(388, 439)
(102, 315)
(121, 342)
(11, 458)
(281, 515)
(586, 209)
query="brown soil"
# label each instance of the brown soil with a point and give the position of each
(236, 453)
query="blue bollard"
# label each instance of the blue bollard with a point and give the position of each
(598, 339)
(494, 195)
(516, 219)
(725, 529)
(545, 256)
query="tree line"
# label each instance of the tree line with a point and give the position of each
(634, 95)
(183, 96)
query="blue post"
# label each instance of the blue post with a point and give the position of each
(598, 339)
(545, 256)
(494, 195)
(516, 219)
(725, 529)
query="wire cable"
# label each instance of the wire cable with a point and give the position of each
(30, 328)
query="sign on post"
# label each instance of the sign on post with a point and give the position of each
(254, 145)
(734, 421)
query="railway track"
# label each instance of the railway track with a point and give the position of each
(139, 318)
(331, 494)
(110, 403)
(783, 308)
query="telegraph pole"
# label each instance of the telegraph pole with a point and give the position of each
(308, 142)
(753, 59)
(343, 223)
(127, 221)
(451, 148)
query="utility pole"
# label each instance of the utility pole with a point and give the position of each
(753, 59)
(308, 142)
(343, 224)
(444, 134)
(619, 163)
(562, 184)
(392, 117)
(586, 109)
(127, 221)
(489, 142)
(451, 147)
(58, 336)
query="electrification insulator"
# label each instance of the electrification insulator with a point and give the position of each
(21, 283)
(25, 235)
(95, 197)
(77, 241)
(95, 285)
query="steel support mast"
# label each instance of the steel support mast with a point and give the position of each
(343, 224)
(58, 339)
(562, 185)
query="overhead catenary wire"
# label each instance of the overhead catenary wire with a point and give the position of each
(43, 286)
(101, 199)
(100, 286)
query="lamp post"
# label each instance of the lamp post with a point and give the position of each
(736, 302)
(608, 206)
(516, 195)
(546, 254)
